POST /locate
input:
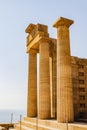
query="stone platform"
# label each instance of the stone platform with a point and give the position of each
(37, 124)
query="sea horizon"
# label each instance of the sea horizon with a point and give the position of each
(11, 115)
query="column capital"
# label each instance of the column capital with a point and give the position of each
(34, 51)
(63, 22)
(44, 39)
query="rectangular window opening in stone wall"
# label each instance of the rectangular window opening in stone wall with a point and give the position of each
(81, 73)
(82, 97)
(82, 89)
(83, 114)
(82, 105)
(81, 66)
(81, 81)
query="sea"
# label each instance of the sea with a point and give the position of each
(11, 116)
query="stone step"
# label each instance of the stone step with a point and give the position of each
(12, 129)
(29, 124)
(40, 126)
(17, 127)
(34, 120)
(48, 125)
(51, 123)
(32, 126)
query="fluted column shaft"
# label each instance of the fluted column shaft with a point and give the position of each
(64, 79)
(32, 86)
(44, 82)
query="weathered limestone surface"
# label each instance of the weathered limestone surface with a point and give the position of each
(32, 86)
(64, 79)
(44, 81)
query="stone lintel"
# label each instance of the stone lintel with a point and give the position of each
(33, 43)
(36, 37)
(63, 22)
(36, 41)
(35, 31)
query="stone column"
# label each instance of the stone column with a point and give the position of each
(64, 79)
(32, 86)
(51, 86)
(54, 82)
(53, 79)
(44, 81)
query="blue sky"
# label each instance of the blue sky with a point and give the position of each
(15, 15)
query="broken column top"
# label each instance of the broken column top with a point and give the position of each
(63, 22)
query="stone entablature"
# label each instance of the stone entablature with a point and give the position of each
(35, 33)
